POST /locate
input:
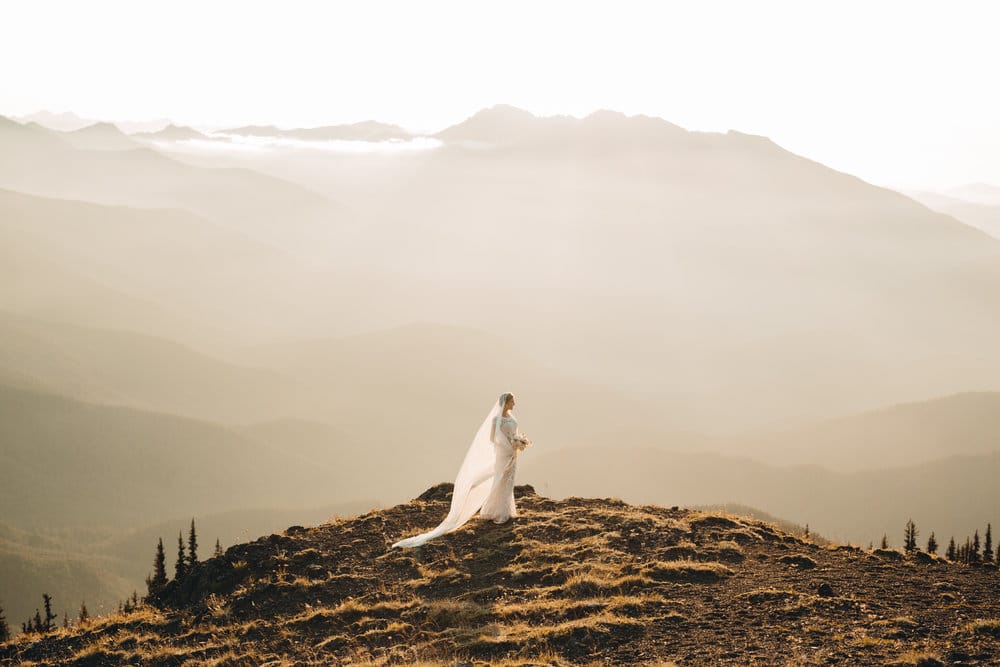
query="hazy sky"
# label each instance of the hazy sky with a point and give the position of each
(899, 93)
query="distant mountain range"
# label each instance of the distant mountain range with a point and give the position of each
(731, 275)
(506, 126)
(980, 193)
(363, 131)
(176, 133)
(952, 497)
(982, 216)
(99, 164)
(68, 121)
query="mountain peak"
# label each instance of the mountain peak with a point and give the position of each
(603, 130)
(100, 127)
(572, 579)
(172, 132)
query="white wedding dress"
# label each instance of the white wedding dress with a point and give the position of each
(485, 481)
(499, 505)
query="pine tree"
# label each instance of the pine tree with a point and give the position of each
(218, 548)
(932, 545)
(988, 545)
(4, 628)
(38, 625)
(974, 554)
(159, 578)
(180, 567)
(65, 619)
(49, 616)
(910, 537)
(192, 547)
(951, 553)
(885, 542)
(84, 615)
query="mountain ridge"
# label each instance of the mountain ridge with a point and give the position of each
(567, 581)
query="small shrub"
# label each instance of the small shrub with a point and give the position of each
(769, 594)
(798, 560)
(983, 627)
(687, 571)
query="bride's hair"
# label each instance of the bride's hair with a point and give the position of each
(504, 397)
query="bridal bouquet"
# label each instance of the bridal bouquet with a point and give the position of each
(520, 442)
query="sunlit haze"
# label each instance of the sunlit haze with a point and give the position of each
(899, 93)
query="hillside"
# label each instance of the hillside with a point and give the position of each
(103, 565)
(904, 434)
(952, 496)
(568, 582)
(138, 370)
(71, 463)
(100, 137)
(975, 214)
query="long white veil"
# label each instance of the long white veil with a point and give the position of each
(472, 484)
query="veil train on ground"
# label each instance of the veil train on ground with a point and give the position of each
(472, 484)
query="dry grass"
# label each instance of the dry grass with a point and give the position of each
(686, 571)
(769, 595)
(866, 641)
(573, 582)
(593, 585)
(454, 613)
(917, 658)
(988, 627)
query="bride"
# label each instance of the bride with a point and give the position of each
(485, 482)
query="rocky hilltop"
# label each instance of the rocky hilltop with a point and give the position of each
(573, 581)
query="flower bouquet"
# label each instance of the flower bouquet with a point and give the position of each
(519, 442)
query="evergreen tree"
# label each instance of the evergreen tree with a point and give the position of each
(49, 616)
(4, 628)
(38, 625)
(951, 553)
(910, 537)
(966, 555)
(218, 548)
(65, 619)
(885, 542)
(974, 554)
(159, 578)
(932, 545)
(192, 547)
(84, 615)
(988, 545)
(180, 567)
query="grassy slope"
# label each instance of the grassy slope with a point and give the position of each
(568, 582)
